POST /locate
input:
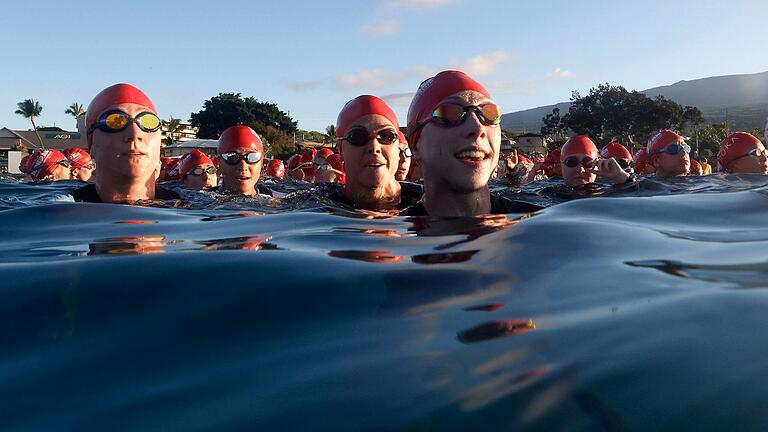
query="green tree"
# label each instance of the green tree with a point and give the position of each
(31, 109)
(553, 123)
(76, 110)
(173, 127)
(330, 130)
(230, 109)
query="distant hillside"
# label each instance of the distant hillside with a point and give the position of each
(744, 96)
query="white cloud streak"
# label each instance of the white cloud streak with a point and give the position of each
(485, 64)
(381, 29)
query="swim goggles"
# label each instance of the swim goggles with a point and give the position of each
(754, 152)
(359, 137)
(450, 115)
(573, 162)
(198, 171)
(673, 149)
(232, 158)
(406, 153)
(116, 120)
(625, 163)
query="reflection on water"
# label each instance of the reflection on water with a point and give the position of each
(538, 322)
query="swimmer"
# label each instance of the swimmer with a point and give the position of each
(669, 154)
(620, 153)
(695, 169)
(197, 171)
(368, 143)
(124, 142)
(741, 152)
(551, 164)
(241, 155)
(294, 168)
(405, 158)
(643, 163)
(454, 132)
(581, 164)
(80, 163)
(49, 165)
(169, 169)
(331, 170)
(275, 169)
(308, 164)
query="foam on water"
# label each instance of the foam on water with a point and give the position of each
(626, 313)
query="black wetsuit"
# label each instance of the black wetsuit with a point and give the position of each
(88, 194)
(333, 193)
(499, 205)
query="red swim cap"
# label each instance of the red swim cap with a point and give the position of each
(169, 169)
(335, 162)
(695, 168)
(116, 94)
(641, 160)
(615, 150)
(551, 163)
(293, 162)
(362, 106)
(579, 144)
(275, 168)
(308, 161)
(733, 146)
(42, 163)
(78, 157)
(662, 139)
(26, 164)
(324, 152)
(239, 137)
(191, 160)
(431, 92)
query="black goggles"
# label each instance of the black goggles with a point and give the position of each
(406, 153)
(573, 162)
(232, 158)
(625, 163)
(198, 171)
(116, 120)
(674, 149)
(360, 137)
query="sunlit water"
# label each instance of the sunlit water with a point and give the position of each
(612, 313)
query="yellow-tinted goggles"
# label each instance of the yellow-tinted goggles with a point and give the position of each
(116, 120)
(452, 115)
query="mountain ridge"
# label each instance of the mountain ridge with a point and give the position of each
(744, 96)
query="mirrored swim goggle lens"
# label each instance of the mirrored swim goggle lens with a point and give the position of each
(406, 152)
(573, 161)
(360, 137)
(451, 115)
(250, 158)
(115, 121)
(674, 149)
(198, 171)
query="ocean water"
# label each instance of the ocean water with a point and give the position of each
(644, 310)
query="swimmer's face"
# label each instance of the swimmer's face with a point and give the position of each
(325, 176)
(60, 172)
(580, 174)
(241, 177)
(668, 165)
(404, 164)
(751, 164)
(82, 173)
(372, 165)
(200, 182)
(460, 158)
(128, 155)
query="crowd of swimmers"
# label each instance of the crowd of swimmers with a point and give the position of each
(441, 166)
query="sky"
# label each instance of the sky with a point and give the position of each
(311, 57)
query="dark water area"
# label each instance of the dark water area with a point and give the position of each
(638, 310)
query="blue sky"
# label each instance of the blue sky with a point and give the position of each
(311, 57)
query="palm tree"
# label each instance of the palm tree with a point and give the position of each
(331, 132)
(173, 126)
(76, 110)
(31, 109)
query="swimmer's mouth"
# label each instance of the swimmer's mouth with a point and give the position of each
(472, 155)
(243, 178)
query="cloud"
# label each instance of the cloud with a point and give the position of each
(399, 99)
(380, 29)
(421, 4)
(378, 78)
(485, 64)
(560, 74)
